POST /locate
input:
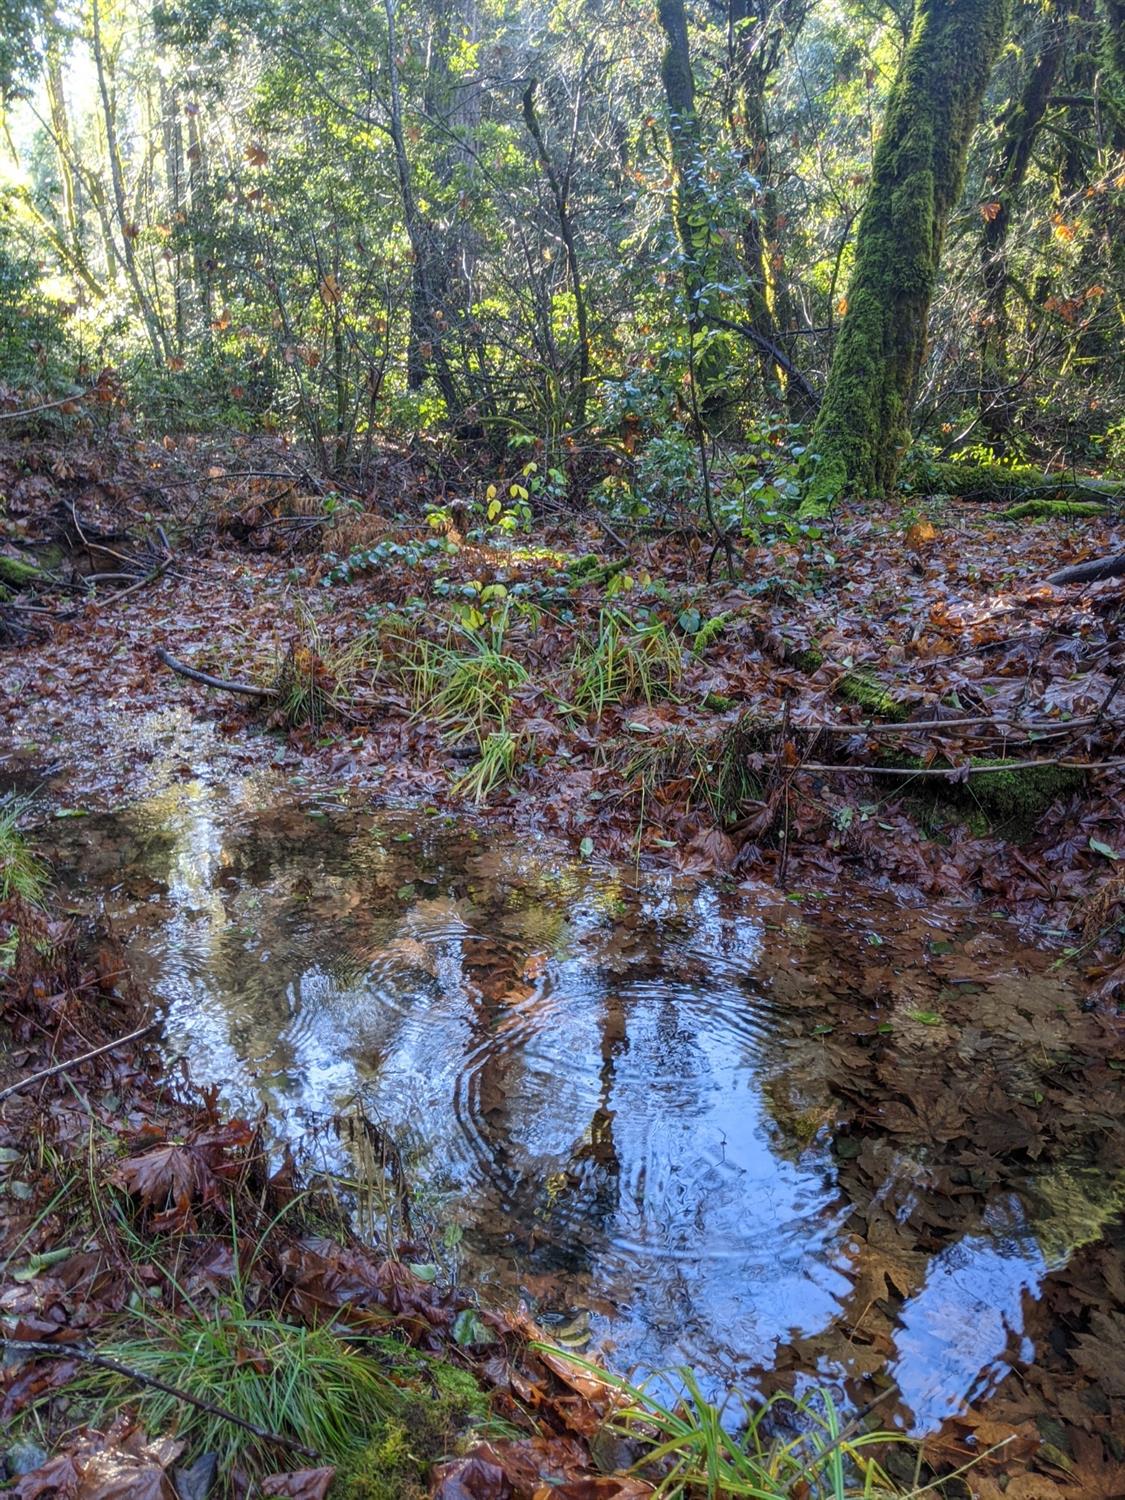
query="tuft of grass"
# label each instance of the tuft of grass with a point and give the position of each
(306, 1384)
(317, 679)
(692, 1448)
(625, 663)
(501, 753)
(465, 684)
(22, 873)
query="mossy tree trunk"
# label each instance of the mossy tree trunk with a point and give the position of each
(692, 228)
(1005, 179)
(863, 426)
(755, 44)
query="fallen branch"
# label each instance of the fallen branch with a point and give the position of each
(223, 683)
(103, 1362)
(906, 726)
(1091, 572)
(1043, 510)
(141, 583)
(75, 1062)
(30, 411)
(957, 773)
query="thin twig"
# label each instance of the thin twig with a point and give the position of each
(74, 1062)
(141, 583)
(12, 416)
(951, 773)
(92, 1357)
(225, 684)
(906, 726)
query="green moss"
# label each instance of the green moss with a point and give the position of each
(1046, 510)
(719, 703)
(862, 688)
(1022, 793)
(863, 425)
(396, 1463)
(1007, 482)
(15, 571)
(977, 823)
(1011, 794)
(857, 687)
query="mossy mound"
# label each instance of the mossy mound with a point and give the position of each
(396, 1463)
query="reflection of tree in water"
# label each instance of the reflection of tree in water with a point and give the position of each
(943, 1108)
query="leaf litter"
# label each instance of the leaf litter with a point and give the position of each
(957, 624)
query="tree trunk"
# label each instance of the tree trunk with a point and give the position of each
(1005, 178)
(560, 194)
(919, 164)
(754, 46)
(683, 124)
(428, 278)
(155, 331)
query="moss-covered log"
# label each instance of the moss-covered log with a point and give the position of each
(858, 686)
(1012, 793)
(1049, 510)
(863, 426)
(1001, 484)
(18, 573)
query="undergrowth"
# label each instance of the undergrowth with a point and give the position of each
(714, 771)
(691, 1447)
(331, 1393)
(501, 754)
(22, 873)
(464, 684)
(318, 678)
(624, 663)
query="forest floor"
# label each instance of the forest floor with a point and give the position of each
(822, 723)
(825, 718)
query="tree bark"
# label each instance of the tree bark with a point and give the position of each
(683, 126)
(153, 328)
(1005, 178)
(428, 279)
(864, 424)
(560, 194)
(754, 45)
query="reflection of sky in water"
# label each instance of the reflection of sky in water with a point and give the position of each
(602, 1117)
(967, 1314)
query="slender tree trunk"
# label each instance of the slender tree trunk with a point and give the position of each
(864, 423)
(560, 193)
(1005, 179)
(754, 46)
(152, 324)
(691, 217)
(200, 217)
(425, 350)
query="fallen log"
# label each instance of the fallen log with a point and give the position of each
(1091, 572)
(1009, 483)
(224, 684)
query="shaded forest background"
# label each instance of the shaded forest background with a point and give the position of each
(594, 228)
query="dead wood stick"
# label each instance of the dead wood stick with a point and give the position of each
(1043, 726)
(948, 773)
(1090, 572)
(12, 416)
(74, 1062)
(92, 1357)
(223, 683)
(141, 583)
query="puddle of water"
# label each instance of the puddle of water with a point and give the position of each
(697, 1130)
